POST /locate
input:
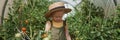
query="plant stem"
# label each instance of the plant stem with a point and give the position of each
(31, 32)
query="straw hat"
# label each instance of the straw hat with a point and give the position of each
(56, 7)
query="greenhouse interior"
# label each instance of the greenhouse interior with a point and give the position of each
(59, 19)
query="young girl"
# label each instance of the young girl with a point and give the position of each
(57, 26)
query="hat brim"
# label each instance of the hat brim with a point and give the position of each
(48, 14)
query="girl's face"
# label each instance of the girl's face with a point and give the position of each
(57, 16)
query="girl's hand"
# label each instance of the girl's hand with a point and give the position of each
(44, 35)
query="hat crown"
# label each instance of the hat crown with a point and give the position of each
(54, 5)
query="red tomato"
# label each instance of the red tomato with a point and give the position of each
(23, 29)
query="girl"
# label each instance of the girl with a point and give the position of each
(58, 27)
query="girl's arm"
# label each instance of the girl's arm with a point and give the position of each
(67, 32)
(47, 26)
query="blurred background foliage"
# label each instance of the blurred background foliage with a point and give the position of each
(88, 23)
